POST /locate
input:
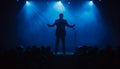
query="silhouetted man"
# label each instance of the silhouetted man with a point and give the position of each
(60, 31)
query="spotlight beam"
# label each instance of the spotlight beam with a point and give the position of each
(27, 3)
(59, 6)
(91, 3)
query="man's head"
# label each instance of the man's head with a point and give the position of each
(61, 15)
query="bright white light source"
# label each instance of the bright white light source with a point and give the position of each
(27, 3)
(59, 6)
(91, 3)
(59, 2)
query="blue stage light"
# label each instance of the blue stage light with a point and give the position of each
(27, 3)
(34, 16)
(59, 6)
(91, 3)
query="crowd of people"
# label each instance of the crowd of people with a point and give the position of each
(97, 58)
(29, 58)
(42, 58)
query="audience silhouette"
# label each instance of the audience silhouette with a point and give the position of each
(42, 58)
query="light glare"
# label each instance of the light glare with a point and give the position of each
(59, 6)
(91, 3)
(27, 3)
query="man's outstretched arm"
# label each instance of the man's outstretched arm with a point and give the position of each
(52, 25)
(49, 25)
(71, 26)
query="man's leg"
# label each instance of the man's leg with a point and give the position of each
(57, 44)
(63, 45)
